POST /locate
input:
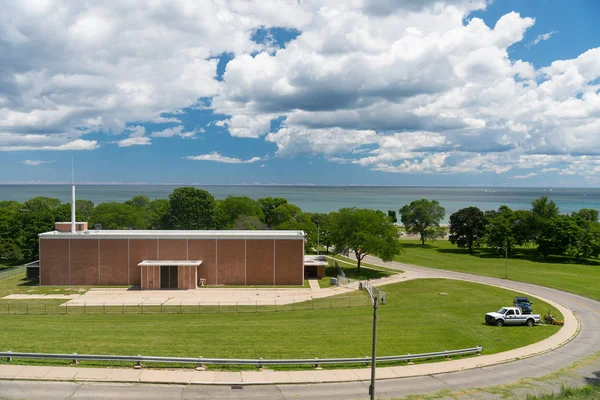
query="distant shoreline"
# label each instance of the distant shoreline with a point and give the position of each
(295, 185)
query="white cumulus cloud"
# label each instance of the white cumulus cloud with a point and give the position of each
(216, 157)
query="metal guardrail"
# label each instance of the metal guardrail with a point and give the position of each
(200, 361)
(8, 272)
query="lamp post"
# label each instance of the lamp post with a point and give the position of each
(506, 252)
(374, 349)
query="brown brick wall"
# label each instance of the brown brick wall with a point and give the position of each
(54, 262)
(172, 249)
(84, 262)
(259, 262)
(150, 277)
(186, 277)
(140, 250)
(113, 262)
(205, 250)
(230, 262)
(289, 260)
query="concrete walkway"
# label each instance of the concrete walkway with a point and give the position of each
(314, 285)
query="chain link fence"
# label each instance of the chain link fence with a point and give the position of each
(45, 308)
(12, 271)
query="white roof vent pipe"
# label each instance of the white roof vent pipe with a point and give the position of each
(73, 218)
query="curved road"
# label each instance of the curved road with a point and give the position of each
(586, 343)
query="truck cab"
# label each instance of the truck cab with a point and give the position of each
(511, 316)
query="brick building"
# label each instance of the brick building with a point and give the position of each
(170, 259)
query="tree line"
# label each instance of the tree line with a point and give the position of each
(543, 226)
(348, 230)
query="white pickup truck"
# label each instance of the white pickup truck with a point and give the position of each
(511, 316)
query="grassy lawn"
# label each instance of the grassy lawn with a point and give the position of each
(523, 265)
(590, 392)
(416, 319)
(367, 271)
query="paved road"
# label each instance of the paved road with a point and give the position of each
(586, 343)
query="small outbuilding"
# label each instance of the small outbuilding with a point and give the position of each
(314, 266)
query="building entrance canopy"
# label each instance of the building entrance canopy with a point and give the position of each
(169, 274)
(160, 263)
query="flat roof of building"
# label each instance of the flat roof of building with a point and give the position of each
(315, 261)
(173, 234)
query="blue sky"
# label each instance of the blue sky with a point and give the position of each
(384, 92)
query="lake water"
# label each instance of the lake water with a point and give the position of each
(331, 198)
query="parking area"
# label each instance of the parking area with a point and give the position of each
(203, 296)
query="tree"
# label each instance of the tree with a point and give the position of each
(364, 231)
(10, 205)
(392, 216)
(10, 234)
(586, 242)
(558, 236)
(113, 215)
(233, 207)
(41, 203)
(544, 208)
(423, 217)
(191, 208)
(284, 213)
(467, 226)
(249, 223)
(586, 214)
(159, 214)
(268, 204)
(505, 228)
(139, 201)
(85, 209)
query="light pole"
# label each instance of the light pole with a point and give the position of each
(506, 252)
(374, 351)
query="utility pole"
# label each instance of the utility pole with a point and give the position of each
(374, 353)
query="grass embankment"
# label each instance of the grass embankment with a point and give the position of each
(590, 392)
(367, 271)
(523, 265)
(416, 319)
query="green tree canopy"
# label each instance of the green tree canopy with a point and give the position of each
(392, 216)
(113, 215)
(586, 214)
(544, 208)
(248, 223)
(139, 201)
(41, 203)
(423, 217)
(467, 226)
(159, 214)
(10, 205)
(84, 209)
(233, 207)
(191, 208)
(364, 232)
(285, 213)
(10, 234)
(558, 236)
(268, 204)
